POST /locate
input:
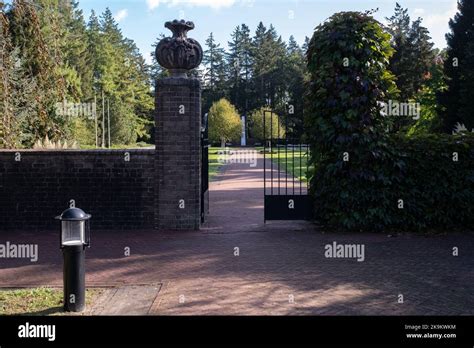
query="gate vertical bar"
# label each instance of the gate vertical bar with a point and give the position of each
(271, 148)
(301, 170)
(264, 156)
(286, 154)
(293, 167)
(204, 168)
(278, 147)
(264, 165)
(308, 153)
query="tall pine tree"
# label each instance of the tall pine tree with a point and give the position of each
(16, 89)
(37, 30)
(413, 52)
(459, 69)
(295, 76)
(239, 67)
(214, 78)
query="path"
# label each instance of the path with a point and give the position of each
(281, 268)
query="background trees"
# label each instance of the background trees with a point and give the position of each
(51, 52)
(51, 56)
(413, 52)
(413, 57)
(430, 120)
(36, 33)
(259, 71)
(14, 89)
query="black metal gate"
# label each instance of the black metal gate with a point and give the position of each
(285, 172)
(204, 169)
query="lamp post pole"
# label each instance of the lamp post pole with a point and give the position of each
(74, 278)
(74, 239)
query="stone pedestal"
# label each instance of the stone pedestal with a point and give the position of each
(178, 154)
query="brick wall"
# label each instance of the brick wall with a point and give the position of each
(118, 194)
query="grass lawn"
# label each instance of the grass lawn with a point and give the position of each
(38, 301)
(214, 165)
(294, 163)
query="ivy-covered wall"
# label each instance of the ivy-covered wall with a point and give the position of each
(365, 176)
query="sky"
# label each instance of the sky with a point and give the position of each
(143, 20)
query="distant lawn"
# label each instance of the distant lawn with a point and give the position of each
(292, 162)
(37, 301)
(214, 165)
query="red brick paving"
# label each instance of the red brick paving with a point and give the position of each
(281, 268)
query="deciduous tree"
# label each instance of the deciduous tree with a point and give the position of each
(224, 122)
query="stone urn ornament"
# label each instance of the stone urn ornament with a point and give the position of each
(179, 54)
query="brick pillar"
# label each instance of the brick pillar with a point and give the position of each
(178, 154)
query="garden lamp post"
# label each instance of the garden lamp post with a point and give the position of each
(74, 238)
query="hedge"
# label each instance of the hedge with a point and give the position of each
(406, 183)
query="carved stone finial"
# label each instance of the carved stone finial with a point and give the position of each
(179, 53)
